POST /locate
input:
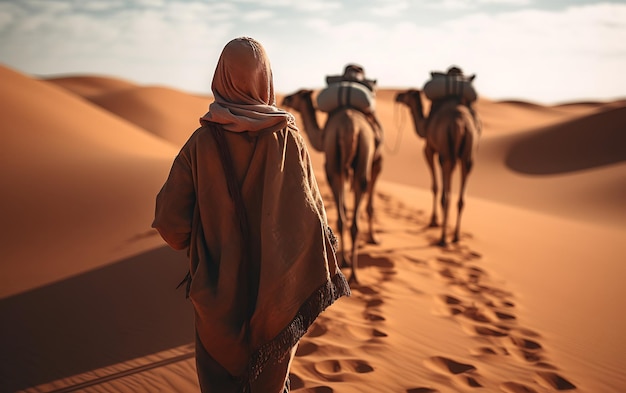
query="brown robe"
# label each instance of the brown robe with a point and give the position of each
(241, 196)
(292, 275)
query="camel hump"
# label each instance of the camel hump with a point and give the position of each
(444, 85)
(345, 94)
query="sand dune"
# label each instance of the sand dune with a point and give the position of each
(90, 85)
(71, 174)
(152, 108)
(575, 145)
(530, 299)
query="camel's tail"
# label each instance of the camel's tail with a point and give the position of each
(457, 138)
(348, 145)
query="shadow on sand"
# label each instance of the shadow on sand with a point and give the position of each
(122, 311)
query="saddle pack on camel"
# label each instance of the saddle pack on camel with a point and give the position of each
(346, 94)
(450, 85)
(351, 90)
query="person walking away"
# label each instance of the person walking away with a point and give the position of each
(242, 199)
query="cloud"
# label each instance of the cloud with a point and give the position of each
(258, 15)
(152, 42)
(317, 5)
(389, 8)
(543, 55)
(472, 4)
(516, 52)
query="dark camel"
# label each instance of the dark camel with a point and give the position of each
(452, 133)
(351, 156)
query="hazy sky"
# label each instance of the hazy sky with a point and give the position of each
(538, 50)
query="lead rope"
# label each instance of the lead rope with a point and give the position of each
(399, 122)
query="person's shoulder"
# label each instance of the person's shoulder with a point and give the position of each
(201, 135)
(206, 129)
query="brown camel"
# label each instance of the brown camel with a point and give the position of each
(451, 132)
(351, 157)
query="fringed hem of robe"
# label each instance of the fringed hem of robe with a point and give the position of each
(280, 346)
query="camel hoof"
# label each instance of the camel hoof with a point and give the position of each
(442, 243)
(433, 224)
(353, 280)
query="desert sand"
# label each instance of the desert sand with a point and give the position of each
(530, 300)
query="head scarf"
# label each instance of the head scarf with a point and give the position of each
(243, 88)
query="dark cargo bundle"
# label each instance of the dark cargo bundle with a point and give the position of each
(444, 85)
(346, 94)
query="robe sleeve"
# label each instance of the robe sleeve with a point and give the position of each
(175, 204)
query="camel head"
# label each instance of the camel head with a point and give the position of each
(298, 100)
(409, 97)
(413, 99)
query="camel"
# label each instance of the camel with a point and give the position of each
(351, 156)
(452, 133)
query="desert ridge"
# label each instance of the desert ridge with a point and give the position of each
(527, 301)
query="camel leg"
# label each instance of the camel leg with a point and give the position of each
(360, 187)
(361, 184)
(429, 153)
(447, 167)
(465, 170)
(376, 169)
(336, 184)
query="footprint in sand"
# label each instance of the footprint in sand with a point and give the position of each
(474, 312)
(306, 348)
(449, 305)
(374, 303)
(447, 365)
(545, 365)
(321, 389)
(555, 381)
(297, 383)
(487, 331)
(372, 313)
(489, 351)
(417, 261)
(373, 317)
(526, 349)
(317, 330)
(464, 373)
(485, 309)
(334, 370)
(514, 387)
(503, 316)
(365, 290)
(449, 262)
(527, 332)
(362, 333)
(378, 333)
(447, 299)
(463, 250)
(525, 343)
